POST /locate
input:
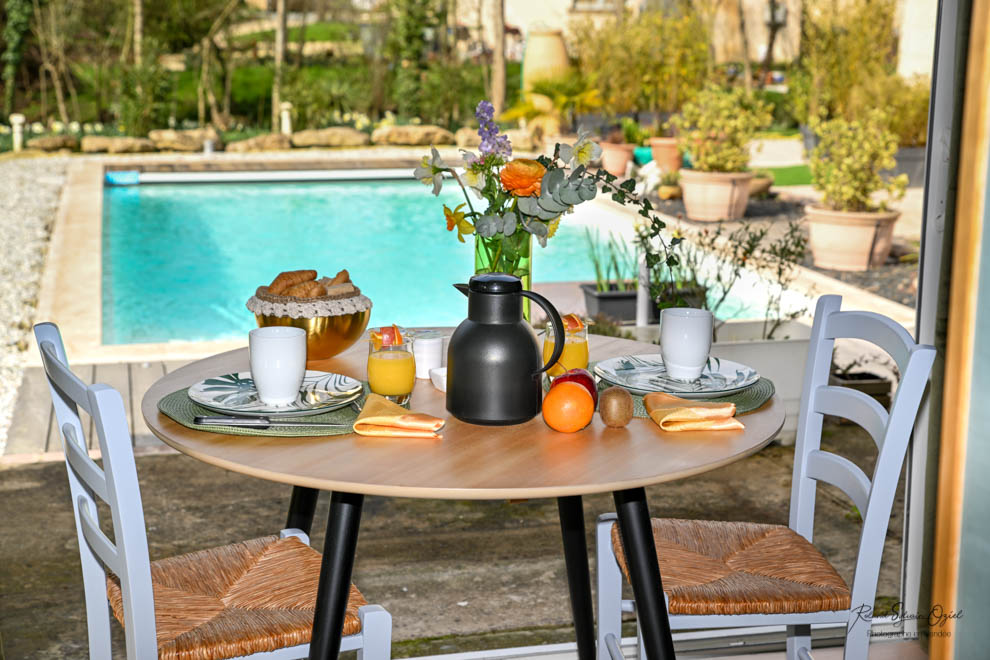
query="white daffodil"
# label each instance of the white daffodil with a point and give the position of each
(474, 180)
(582, 152)
(430, 171)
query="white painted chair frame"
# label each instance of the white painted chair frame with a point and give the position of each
(117, 485)
(874, 498)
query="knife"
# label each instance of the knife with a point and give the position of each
(258, 422)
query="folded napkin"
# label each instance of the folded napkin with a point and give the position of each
(673, 413)
(380, 417)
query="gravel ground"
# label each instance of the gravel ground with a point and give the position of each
(895, 280)
(29, 193)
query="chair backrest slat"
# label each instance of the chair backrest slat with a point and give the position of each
(63, 378)
(98, 541)
(842, 473)
(85, 467)
(874, 328)
(874, 497)
(116, 483)
(854, 406)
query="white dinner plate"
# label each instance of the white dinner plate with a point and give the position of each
(235, 394)
(642, 374)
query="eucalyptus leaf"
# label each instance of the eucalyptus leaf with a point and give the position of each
(508, 223)
(552, 180)
(548, 203)
(570, 195)
(487, 225)
(588, 190)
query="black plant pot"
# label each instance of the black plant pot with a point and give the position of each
(620, 306)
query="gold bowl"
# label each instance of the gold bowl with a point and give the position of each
(326, 336)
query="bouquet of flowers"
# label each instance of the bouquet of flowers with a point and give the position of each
(525, 197)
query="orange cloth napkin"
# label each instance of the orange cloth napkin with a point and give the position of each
(380, 417)
(673, 413)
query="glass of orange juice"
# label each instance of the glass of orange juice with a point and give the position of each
(575, 355)
(392, 370)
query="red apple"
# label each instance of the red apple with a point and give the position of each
(582, 377)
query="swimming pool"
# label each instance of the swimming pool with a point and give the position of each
(180, 260)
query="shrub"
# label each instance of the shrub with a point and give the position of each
(847, 162)
(716, 128)
(654, 62)
(846, 46)
(907, 104)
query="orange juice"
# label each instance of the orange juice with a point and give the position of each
(575, 355)
(391, 373)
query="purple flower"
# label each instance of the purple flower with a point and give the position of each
(491, 141)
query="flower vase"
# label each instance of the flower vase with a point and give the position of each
(512, 255)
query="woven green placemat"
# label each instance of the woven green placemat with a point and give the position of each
(746, 401)
(183, 410)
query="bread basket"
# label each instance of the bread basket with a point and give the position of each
(332, 322)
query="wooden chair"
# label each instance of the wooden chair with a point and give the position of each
(252, 599)
(736, 574)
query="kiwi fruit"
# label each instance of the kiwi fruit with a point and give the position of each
(615, 406)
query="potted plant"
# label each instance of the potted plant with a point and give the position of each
(715, 129)
(856, 374)
(613, 294)
(760, 184)
(908, 107)
(848, 230)
(616, 155)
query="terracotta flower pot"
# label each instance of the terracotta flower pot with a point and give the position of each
(616, 157)
(665, 153)
(714, 196)
(846, 240)
(760, 185)
(545, 57)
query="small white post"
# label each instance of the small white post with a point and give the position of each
(286, 117)
(643, 301)
(17, 130)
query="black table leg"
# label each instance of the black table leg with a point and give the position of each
(302, 506)
(335, 575)
(571, 511)
(644, 572)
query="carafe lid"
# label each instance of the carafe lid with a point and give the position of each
(495, 283)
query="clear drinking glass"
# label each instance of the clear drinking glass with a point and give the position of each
(392, 370)
(575, 355)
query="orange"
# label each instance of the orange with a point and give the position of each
(572, 323)
(568, 407)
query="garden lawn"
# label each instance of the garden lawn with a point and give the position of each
(793, 175)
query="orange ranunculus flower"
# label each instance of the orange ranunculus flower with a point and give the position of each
(522, 177)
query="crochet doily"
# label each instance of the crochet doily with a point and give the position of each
(267, 304)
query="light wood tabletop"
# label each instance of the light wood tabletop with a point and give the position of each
(470, 462)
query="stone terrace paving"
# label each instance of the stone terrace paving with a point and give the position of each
(456, 576)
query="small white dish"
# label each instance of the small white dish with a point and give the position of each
(439, 377)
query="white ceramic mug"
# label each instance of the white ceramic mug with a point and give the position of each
(278, 363)
(685, 341)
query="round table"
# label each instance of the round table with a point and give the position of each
(471, 462)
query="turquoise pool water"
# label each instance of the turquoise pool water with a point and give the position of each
(180, 260)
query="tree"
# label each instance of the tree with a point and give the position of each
(138, 31)
(497, 92)
(18, 22)
(279, 61)
(773, 27)
(411, 19)
(747, 69)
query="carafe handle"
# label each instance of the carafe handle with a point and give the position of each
(558, 329)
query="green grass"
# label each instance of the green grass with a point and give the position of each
(794, 175)
(325, 31)
(779, 133)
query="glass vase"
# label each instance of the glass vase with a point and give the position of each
(506, 254)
